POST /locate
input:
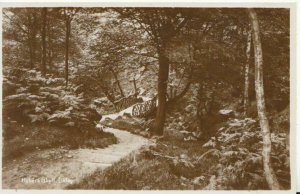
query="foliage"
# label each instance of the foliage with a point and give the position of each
(238, 149)
(43, 99)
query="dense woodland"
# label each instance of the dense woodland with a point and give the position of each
(209, 85)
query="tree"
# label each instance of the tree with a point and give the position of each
(68, 16)
(25, 26)
(247, 66)
(161, 25)
(114, 48)
(260, 100)
(44, 16)
(67, 37)
(32, 30)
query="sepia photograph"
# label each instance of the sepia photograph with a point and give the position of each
(146, 98)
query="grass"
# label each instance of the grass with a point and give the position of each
(150, 172)
(20, 139)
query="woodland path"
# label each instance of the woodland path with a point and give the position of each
(57, 168)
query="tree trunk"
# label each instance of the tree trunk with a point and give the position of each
(44, 16)
(68, 30)
(135, 88)
(261, 108)
(32, 39)
(118, 82)
(49, 43)
(171, 92)
(247, 65)
(107, 93)
(199, 105)
(31, 60)
(163, 74)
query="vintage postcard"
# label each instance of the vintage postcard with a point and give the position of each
(178, 96)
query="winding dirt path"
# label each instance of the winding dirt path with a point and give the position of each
(57, 168)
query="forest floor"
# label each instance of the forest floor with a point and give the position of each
(58, 167)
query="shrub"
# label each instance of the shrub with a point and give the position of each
(238, 148)
(36, 99)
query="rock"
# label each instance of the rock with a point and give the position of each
(173, 134)
(69, 156)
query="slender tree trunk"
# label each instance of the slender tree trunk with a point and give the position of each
(68, 30)
(44, 15)
(107, 93)
(31, 60)
(49, 43)
(247, 65)
(171, 92)
(199, 106)
(135, 88)
(118, 82)
(261, 108)
(31, 40)
(163, 74)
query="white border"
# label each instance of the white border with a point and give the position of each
(147, 3)
(294, 67)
